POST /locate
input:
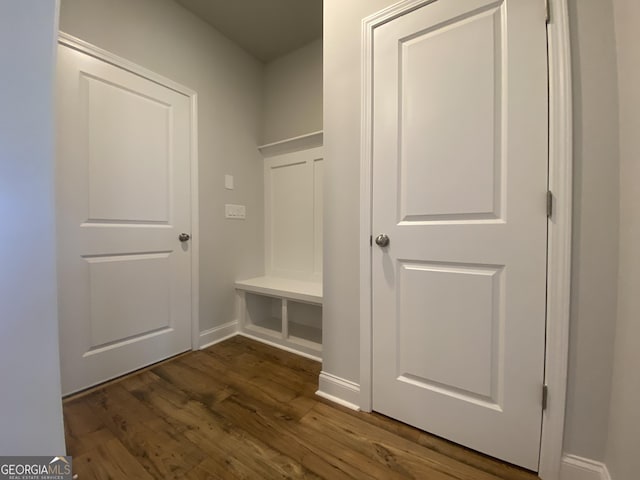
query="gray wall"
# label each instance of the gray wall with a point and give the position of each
(31, 419)
(165, 38)
(340, 309)
(623, 458)
(596, 206)
(595, 226)
(293, 94)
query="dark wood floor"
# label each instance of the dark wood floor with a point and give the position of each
(241, 409)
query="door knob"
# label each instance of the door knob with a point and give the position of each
(184, 237)
(382, 240)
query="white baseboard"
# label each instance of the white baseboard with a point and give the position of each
(339, 390)
(218, 334)
(280, 346)
(578, 468)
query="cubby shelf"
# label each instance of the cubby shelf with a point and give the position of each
(282, 311)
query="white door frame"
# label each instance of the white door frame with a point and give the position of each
(108, 57)
(559, 225)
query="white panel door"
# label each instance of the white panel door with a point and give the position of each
(123, 198)
(459, 186)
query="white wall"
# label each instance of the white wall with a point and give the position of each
(293, 94)
(163, 37)
(595, 227)
(31, 419)
(596, 200)
(623, 457)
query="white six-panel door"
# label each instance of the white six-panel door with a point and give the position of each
(123, 198)
(459, 187)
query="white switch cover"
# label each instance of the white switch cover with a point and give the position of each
(237, 212)
(228, 182)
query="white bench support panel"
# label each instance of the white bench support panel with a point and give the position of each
(282, 312)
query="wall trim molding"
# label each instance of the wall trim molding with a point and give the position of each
(279, 346)
(217, 334)
(303, 142)
(559, 226)
(338, 390)
(579, 468)
(117, 61)
(559, 239)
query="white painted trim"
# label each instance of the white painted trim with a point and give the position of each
(303, 142)
(559, 239)
(578, 468)
(117, 61)
(338, 390)
(559, 257)
(217, 334)
(280, 346)
(195, 227)
(108, 57)
(366, 157)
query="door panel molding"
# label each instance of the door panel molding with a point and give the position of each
(559, 223)
(108, 57)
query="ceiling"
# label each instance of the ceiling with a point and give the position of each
(267, 29)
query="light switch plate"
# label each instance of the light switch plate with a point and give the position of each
(236, 212)
(228, 182)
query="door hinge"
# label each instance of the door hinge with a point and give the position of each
(547, 11)
(549, 203)
(545, 397)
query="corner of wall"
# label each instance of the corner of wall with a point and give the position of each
(293, 94)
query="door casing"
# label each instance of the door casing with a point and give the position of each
(108, 57)
(559, 224)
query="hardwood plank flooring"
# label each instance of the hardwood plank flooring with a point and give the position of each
(245, 410)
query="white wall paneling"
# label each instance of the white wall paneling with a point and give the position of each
(293, 214)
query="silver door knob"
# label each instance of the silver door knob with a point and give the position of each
(382, 240)
(184, 237)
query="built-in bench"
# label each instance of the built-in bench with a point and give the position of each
(282, 311)
(277, 308)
